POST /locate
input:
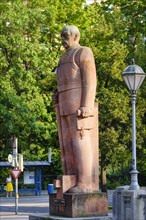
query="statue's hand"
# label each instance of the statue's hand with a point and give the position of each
(55, 98)
(85, 112)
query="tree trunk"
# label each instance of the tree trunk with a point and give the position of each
(103, 175)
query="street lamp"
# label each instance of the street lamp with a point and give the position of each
(133, 76)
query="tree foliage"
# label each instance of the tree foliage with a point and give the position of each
(30, 48)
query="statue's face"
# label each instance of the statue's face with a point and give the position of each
(68, 40)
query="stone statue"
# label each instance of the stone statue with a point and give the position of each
(74, 101)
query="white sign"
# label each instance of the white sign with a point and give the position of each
(29, 177)
(10, 158)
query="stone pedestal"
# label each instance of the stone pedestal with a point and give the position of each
(129, 204)
(79, 204)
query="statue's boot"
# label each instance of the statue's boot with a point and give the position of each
(80, 189)
(84, 185)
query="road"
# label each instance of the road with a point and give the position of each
(26, 206)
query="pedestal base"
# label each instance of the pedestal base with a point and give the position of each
(129, 204)
(79, 205)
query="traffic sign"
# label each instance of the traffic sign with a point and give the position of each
(10, 158)
(15, 173)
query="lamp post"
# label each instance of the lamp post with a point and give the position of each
(133, 76)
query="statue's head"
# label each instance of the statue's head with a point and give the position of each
(70, 36)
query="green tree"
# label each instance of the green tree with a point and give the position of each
(119, 15)
(27, 81)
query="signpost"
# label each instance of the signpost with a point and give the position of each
(18, 167)
(15, 152)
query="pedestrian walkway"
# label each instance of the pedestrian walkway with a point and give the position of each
(12, 216)
(26, 206)
(32, 206)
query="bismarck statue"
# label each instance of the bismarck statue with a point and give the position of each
(77, 119)
(74, 100)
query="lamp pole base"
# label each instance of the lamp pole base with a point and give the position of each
(134, 180)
